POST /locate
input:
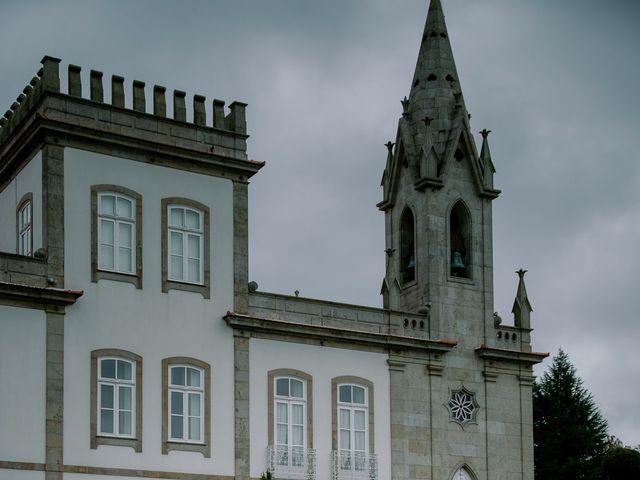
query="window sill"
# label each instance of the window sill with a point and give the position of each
(201, 288)
(464, 280)
(202, 448)
(135, 279)
(134, 443)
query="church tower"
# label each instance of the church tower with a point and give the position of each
(437, 200)
(463, 413)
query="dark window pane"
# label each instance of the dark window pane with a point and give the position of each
(282, 387)
(177, 375)
(108, 368)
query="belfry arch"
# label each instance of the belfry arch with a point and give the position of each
(407, 265)
(460, 259)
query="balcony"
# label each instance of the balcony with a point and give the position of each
(291, 463)
(347, 465)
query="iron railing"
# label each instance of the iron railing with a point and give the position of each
(291, 463)
(347, 465)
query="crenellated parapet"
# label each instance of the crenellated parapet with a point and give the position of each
(213, 135)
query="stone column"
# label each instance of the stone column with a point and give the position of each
(241, 401)
(54, 409)
(53, 211)
(240, 247)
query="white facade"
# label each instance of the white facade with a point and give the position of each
(146, 321)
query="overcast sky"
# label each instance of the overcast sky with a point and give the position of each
(556, 81)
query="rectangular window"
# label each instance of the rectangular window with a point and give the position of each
(185, 246)
(116, 397)
(186, 400)
(185, 238)
(116, 233)
(353, 429)
(25, 226)
(290, 421)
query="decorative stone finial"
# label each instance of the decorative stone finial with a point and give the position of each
(485, 133)
(405, 106)
(389, 146)
(521, 306)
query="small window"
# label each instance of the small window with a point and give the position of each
(186, 399)
(185, 246)
(185, 237)
(186, 391)
(116, 399)
(116, 243)
(25, 225)
(116, 233)
(460, 241)
(407, 247)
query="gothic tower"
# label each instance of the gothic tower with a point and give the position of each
(437, 199)
(466, 412)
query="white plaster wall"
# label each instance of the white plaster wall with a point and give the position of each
(29, 179)
(22, 385)
(150, 323)
(323, 364)
(21, 475)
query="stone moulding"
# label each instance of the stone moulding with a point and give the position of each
(512, 356)
(338, 336)
(41, 296)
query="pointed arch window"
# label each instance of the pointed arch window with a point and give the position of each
(460, 241)
(407, 247)
(462, 474)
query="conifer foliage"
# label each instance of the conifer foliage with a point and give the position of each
(569, 432)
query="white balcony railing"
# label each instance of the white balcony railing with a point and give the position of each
(347, 465)
(292, 463)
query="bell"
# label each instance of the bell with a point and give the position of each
(412, 263)
(456, 261)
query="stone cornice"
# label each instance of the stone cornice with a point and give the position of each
(512, 356)
(291, 330)
(78, 122)
(36, 297)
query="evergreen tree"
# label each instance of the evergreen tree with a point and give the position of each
(569, 432)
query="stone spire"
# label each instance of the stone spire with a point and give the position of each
(435, 91)
(521, 307)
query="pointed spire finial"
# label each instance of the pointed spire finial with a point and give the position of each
(521, 306)
(485, 133)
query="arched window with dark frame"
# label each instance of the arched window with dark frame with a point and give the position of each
(460, 241)
(407, 247)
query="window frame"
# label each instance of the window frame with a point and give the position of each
(204, 286)
(204, 445)
(336, 382)
(307, 387)
(97, 437)
(25, 201)
(97, 272)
